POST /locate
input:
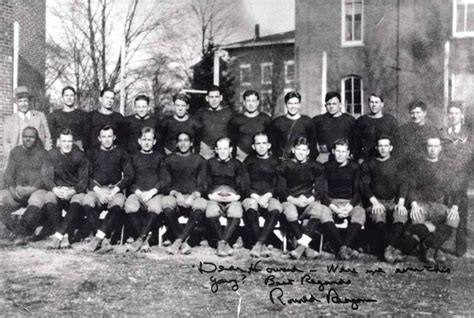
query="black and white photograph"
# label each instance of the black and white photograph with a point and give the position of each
(236, 158)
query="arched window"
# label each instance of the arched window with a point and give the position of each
(353, 95)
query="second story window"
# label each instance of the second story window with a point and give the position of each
(352, 95)
(352, 22)
(463, 18)
(267, 72)
(245, 74)
(290, 72)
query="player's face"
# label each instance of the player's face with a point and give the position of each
(184, 143)
(69, 98)
(433, 147)
(223, 149)
(147, 141)
(418, 115)
(142, 108)
(333, 106)
(28, 138)
(375, 104)
(384, 148)
(23, 104)
(251, 104)
(454, 116)
(65, 143)
(261, 145)
(293, 106)
(341, 153)
(107, 100)
(180, 108)
(214, 98)
(106, 138)
(301, 152)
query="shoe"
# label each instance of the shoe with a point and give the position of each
(105, 247)
(185, 248)
(256, 250)
(239, 243)
(136, 245)
(204, 243)
(311, 254)
(167, 243)
(389, 254)
(94, 244)
(54, 243)
(174, 248)
(428, 256)
(266, 251)
(353, 254)
(221, 248)
(297, 252)
(145, 248)
(228, 249)
(343, 253)
(65, 242)
(398, 255)
(440, 257)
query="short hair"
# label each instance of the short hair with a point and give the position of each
(180, 96)
(341, 142)
(146, 130)
(331, 95)
(376, 96)
(250, 92)
(30, 128)
(416, 103)
(68, 88)
(142, 97)
(106, 89)
(224, 138)
(300, 141)
(184, 133)
(456, 104)
(292, 94)
(383, 136)
(66, 132)
(105, 128)
(214, 88)
(261, 133)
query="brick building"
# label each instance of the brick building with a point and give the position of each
(31, 18)
(265, 64)
(404, 49)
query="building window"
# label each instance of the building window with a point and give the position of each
(267, 72)
(290, 72)
(352, 22)
(266, 101)
(245, 74)
(352, 95)
(463, 18)
(462, 89)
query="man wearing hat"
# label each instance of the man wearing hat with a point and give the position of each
(24, 117)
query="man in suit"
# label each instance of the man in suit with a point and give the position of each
(25, 117)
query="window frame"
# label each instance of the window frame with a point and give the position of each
(351, 43)
(456, 33)
(262, 67)
(343, 94)
(287, 63)
(242, 68)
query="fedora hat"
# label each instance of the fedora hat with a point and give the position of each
(22, 91)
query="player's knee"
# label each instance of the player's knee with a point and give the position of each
(399, 218)
(212, 209)
(381, 217)
(274, 205)
(37, 199)
(326, 214)
(89, 199)
(290, 212)
(50, 197)
(168, 202)
(131, 204)
(155, 205)
(358, 215)
(199, 204)
(118, 200)
(315, 210)
(235, 210)
(250, 203)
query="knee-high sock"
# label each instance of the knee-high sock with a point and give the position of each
(172, 221)
(135, 221)
(232, 224)
(396, 232)
(215, 226)
(380, 237)
(71, 216)
(310, 227)
(440, 235)
(352, 230)
(92, 217)
(296, 229)
(54, 215)
(268, 226)
(251, 222)
(115, 213)
(30, 220)
(421, 231)
(194, 218)
(332, 232)
(150, 220)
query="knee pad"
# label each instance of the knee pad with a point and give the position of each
(168, 202)
(234, 210)
(212, 209)
(250, 203)
(358, 215)
(199, 204)
(290, 212)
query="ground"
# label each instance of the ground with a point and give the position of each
(41, 282)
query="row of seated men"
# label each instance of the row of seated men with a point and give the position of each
(308, 195)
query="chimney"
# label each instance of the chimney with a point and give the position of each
(257, 31)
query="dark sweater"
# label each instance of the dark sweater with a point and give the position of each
(107, 168)
(297, 179)
(70, 169)
(29, 167)
(74, 120)
(284, 131)
(146, 170)
(185, 174)
(94, 122)
(215, 124)
(261, 174)
(243, 128)
(342, 182)
(228, 173)
(367, 129)
(412, 140)
(383, 179)
(328, 129)
(170, 128)
(135, 125)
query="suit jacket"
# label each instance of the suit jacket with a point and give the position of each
(12, 131)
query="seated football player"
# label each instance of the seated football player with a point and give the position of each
(384, 186)
(342, 198)
(145, 189)
(110, 174)
(28, 178)
(71, 177)
(301, 184)
(261, 193)
(184, 176)
(224, 175)
(432, 187)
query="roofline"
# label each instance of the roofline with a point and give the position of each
(254, 44)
